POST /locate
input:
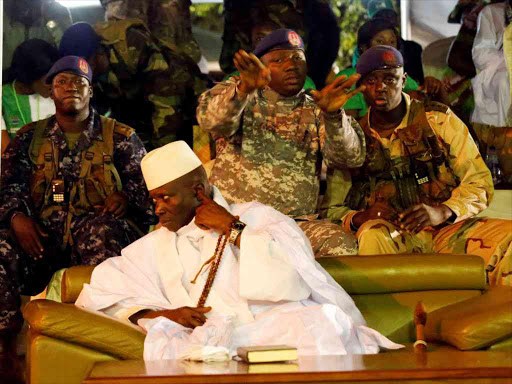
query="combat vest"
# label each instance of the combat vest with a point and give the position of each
(98, 178)
(420, 176)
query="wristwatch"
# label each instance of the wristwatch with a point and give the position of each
(236, 228)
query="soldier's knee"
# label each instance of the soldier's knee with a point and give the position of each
(375, 230)
(337, 242)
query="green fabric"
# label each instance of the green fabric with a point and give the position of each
(14, 117)
(309, 84)
(53, 292)
(357, 102)
(72, 139)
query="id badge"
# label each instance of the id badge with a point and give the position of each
(58, 191)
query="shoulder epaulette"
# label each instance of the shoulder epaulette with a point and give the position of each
(434, 106)
(26, 128)
(123, 129)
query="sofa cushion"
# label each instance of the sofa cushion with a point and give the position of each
(406, 272)
(53, 361)
(87, 328)
(475, 323)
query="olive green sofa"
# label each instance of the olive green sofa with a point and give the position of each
(65, 341)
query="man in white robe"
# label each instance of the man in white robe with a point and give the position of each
(491, 85)
(268, 288)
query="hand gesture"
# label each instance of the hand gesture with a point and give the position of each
(28, 233)
(420, 216)
(334, 95)
(116, 204)
(435, 90)
(210, 215)
(253, 74)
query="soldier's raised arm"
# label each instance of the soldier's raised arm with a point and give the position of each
(220, 108)
(341, 137)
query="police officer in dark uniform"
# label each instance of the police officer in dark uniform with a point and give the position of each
(71, 185)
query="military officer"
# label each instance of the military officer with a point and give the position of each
(71, 185)
(423, 180)
(271, 136)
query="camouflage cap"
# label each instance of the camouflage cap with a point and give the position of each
(379, 57)
(79, 40)
(73, 64)
(280, 39)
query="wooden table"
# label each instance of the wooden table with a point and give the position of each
(406, 367)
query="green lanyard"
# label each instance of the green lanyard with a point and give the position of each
(18, 104)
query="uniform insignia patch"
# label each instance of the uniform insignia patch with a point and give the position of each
(84, 67)
(294, 38)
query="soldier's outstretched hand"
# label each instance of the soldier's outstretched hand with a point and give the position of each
(334, 95)
(253, 74)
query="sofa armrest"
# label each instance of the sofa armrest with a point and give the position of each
(73, 281)
(90, 329)
(406, 272)
(476, 323)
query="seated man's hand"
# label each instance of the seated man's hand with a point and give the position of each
(116, 204)
(210, 215)
(334, 95)
(436, 90)
(253, 73)
(420, 216)
(380, 210)
(28, 233)
(187, 316)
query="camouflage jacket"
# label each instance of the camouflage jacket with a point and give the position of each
(270, 148)
(147, 86)
(462, 181)
(17, 170)
(168, 20)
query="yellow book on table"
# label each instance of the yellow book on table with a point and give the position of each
(267, 353)
(272, 368)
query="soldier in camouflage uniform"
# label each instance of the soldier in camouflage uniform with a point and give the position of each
(71, 184)
(423, 180)
(168, 20)
(271, 136)
(143, 82)
(32, 19)
(313, 20)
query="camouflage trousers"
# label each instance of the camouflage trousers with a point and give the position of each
(96, 238)
(501, 139)
(328, 239)
(490, 239)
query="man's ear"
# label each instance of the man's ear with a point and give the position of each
(199, 187)
(404, 79)
(90, 91)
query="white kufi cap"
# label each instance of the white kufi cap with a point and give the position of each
(168, 163)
